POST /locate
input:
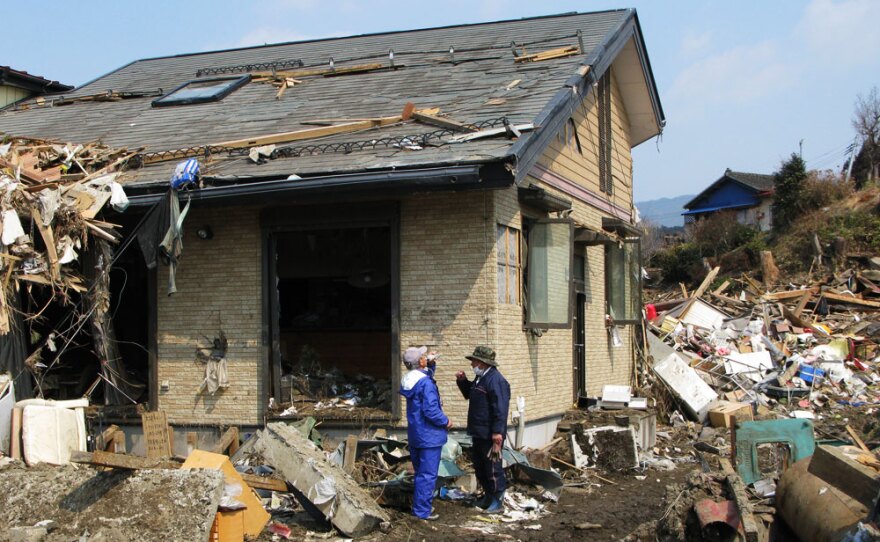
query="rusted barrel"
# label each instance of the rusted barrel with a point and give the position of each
(812, 508)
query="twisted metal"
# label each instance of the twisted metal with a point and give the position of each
(244, 68)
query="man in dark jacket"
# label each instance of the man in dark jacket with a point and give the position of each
(426, 427)
(489, 400)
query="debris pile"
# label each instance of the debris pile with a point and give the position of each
(764, 379)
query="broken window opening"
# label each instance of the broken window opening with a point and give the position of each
(333, 315)
(201, 91)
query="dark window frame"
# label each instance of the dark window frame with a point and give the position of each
(527, 250)
(636, 287)
(235, 83)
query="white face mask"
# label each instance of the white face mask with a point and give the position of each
(478, 371)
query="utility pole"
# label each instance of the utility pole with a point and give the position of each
(852, 158)
(801, 149)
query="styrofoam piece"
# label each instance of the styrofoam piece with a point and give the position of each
(620, 394)
(7, 403)
(684, 381)
(752, 364)
(50, 434)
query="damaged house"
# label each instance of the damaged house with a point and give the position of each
(341, 200)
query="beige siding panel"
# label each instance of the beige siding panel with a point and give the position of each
(9, 95)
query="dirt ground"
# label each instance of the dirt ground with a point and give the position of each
(112, 506)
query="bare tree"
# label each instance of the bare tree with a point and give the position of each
(866, 122)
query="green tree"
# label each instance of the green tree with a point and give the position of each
(789, 186)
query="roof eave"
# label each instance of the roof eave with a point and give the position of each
(528, 149)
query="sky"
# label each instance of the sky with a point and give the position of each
(743, 84)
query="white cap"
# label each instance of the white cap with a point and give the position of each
(413, 354)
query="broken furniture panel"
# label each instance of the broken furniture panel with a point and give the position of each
(685, 383)
(254, 516)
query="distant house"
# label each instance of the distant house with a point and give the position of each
(17, 85)
(749, 195)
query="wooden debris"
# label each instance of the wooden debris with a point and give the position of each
(559, 52)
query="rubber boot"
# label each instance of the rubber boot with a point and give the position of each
(497, 504)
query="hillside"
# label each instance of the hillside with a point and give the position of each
(664, 211)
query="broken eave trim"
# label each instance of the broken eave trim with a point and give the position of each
(456, 177)
(620, 227)
(578, 192)
(529, 148)
(591, 237)
(539, 198)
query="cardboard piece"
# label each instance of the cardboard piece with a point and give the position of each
(254, 517)
(727, 413)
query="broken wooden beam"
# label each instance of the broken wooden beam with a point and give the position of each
(738, 488)
(699, 291)
(788, 294)
(122, 461)
(229, 441)
(442, 122)
(839, 466)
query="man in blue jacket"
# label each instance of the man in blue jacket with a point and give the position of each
(489, 400)
(426, 427)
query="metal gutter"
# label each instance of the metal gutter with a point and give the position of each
(410, 180)
(550, 120)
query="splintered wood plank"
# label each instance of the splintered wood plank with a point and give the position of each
(549, 54)
(443, 122)
(789, 294)
(49, 241)
(263, 482)
(802, 303)
(156, 434)
(720, 289)
(852, 300)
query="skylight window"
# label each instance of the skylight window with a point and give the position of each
(201, 91)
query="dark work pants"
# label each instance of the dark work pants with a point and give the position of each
(490, 474)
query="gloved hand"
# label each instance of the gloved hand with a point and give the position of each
(495, 452)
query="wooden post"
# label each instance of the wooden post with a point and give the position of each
(15, 437)
(192, 440)
(119, 442)
(348, 460)
(229, 440)
(769, 271)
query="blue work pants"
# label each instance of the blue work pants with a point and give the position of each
(426, 462)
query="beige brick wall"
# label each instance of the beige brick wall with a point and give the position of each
(219, 287)
(447, 279)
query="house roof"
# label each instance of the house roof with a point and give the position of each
(479, 83)
(753, 182)
(32, 83)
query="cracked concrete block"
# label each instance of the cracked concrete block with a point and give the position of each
(330, 489)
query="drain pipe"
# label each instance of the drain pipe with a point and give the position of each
(521, 421)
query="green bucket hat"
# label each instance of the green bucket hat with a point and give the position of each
(484, 354)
